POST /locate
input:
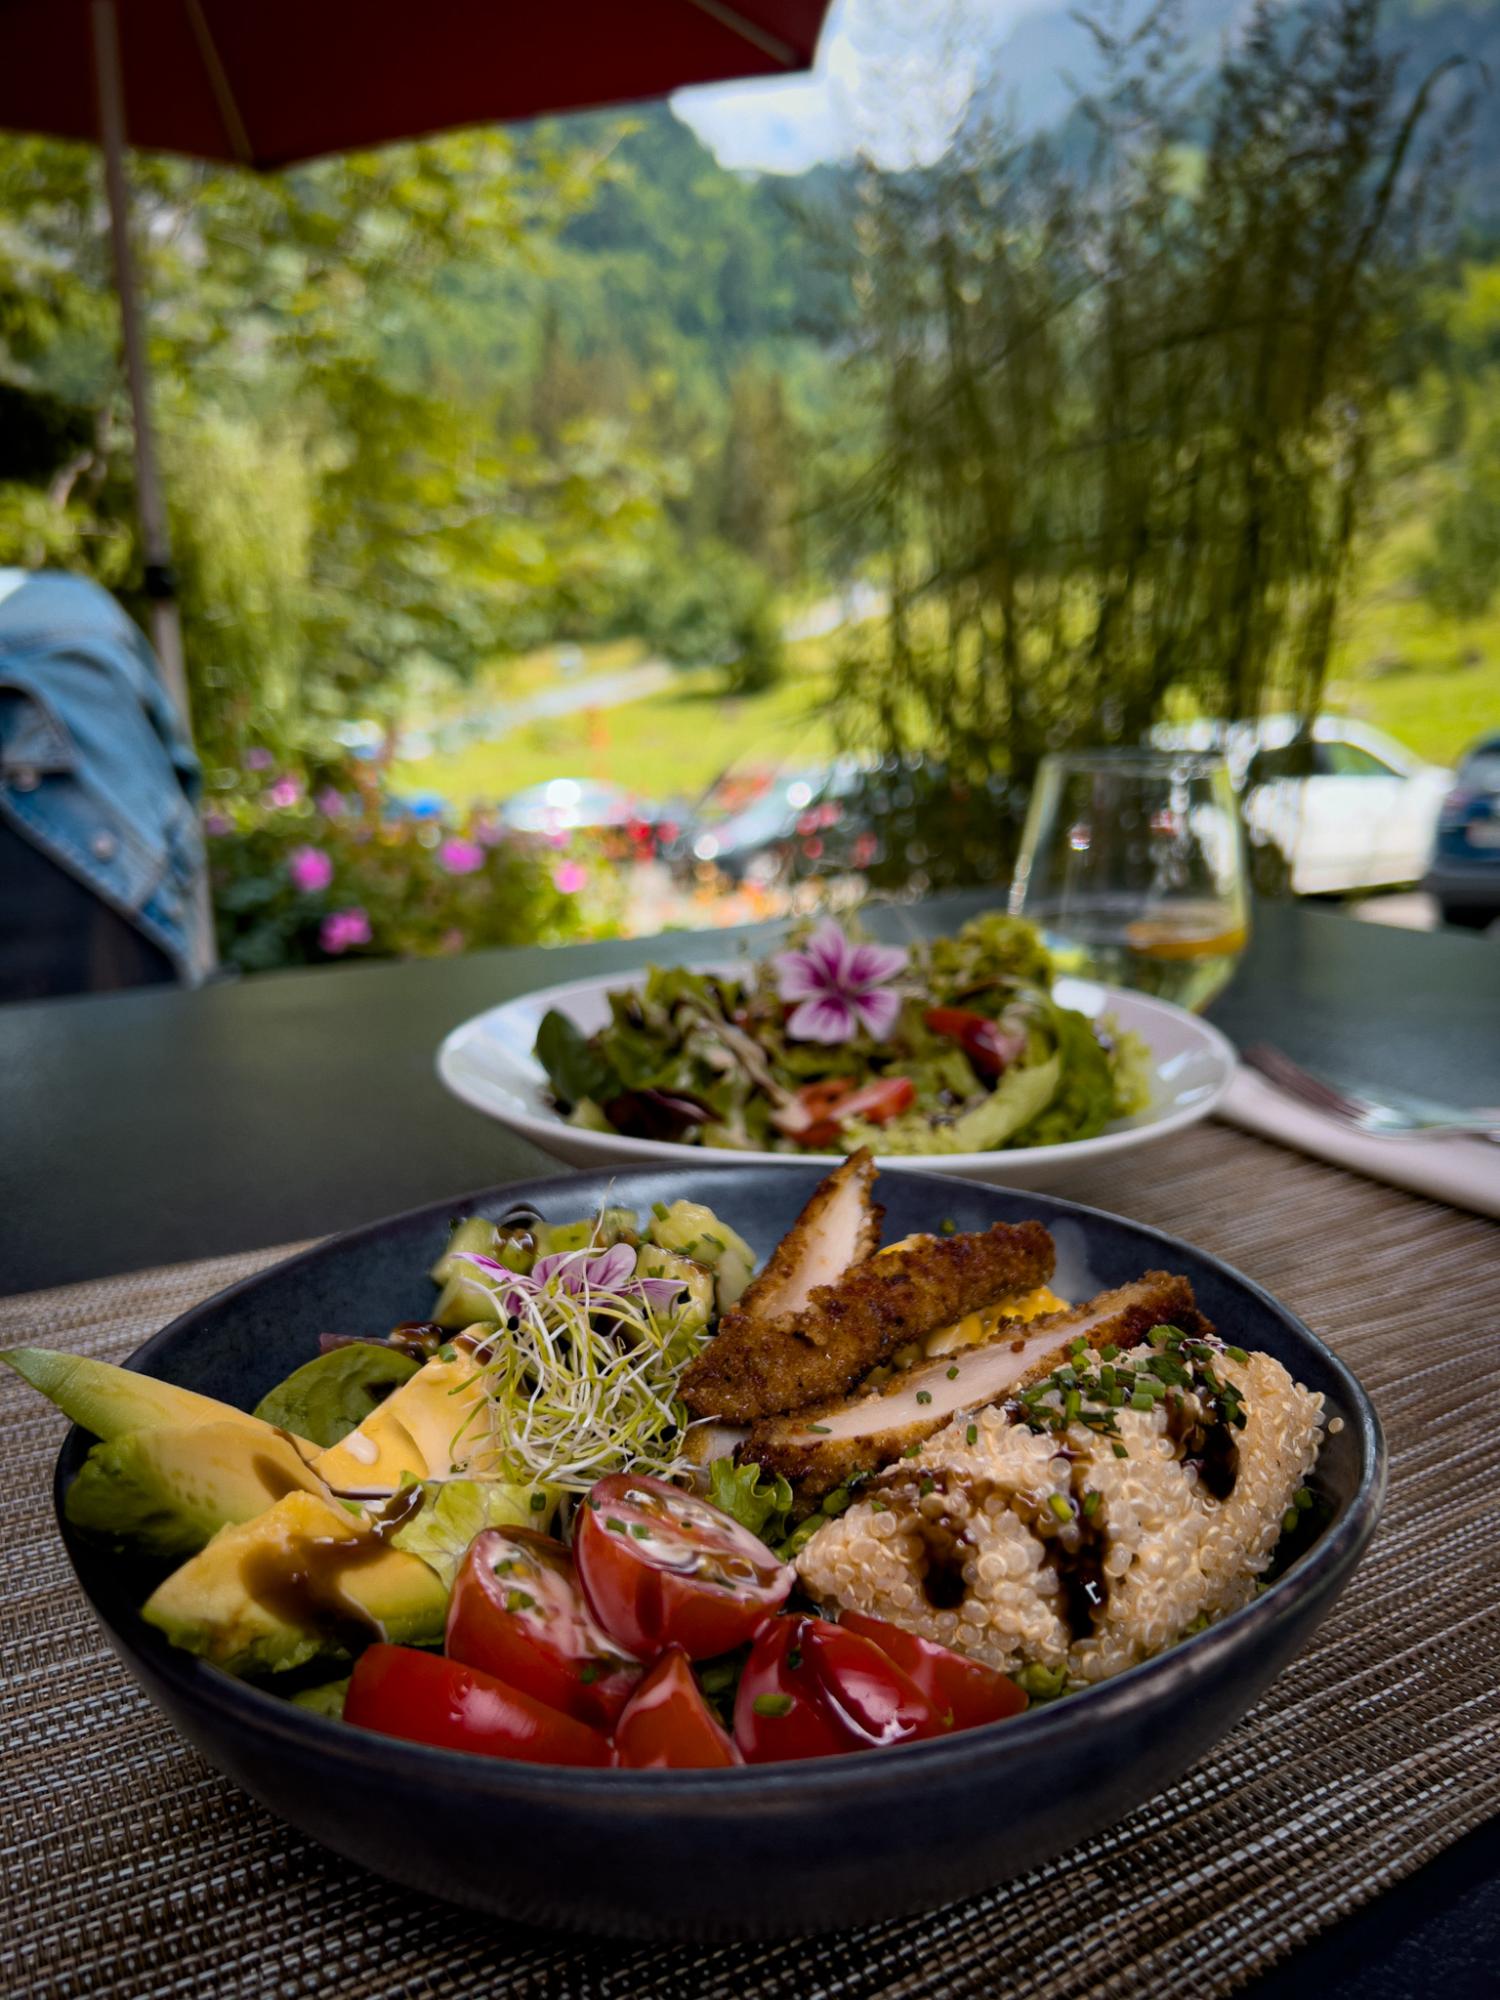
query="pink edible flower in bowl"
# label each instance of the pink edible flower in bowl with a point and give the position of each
(310, 869)
(843, 989)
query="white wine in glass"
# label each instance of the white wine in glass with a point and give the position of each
(1132, 865)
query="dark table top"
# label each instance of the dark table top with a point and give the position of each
(158, 1126)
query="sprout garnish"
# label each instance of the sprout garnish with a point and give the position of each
(581, 1373)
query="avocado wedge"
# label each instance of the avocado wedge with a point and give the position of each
(305, 1580)
(110, 1401)
(166, 1492)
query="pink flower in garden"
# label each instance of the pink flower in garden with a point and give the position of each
(216, 823)
(569, 877)
(842, 987)
(310, 869)
(285, 792)
(342, 929)
(329, 802)
(258, 760)
(461, 857)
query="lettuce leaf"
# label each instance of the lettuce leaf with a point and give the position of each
(454, 1511)
(758, 1500)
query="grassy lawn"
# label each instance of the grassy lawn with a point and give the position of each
(1431, 681)
(667, 745)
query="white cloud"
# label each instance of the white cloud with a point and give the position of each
(891, 78)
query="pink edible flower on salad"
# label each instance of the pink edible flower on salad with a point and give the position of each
(842, 989)
(575, 1272)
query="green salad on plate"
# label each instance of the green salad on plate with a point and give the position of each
(947, 1045)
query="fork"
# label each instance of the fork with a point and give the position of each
(1368, 1114)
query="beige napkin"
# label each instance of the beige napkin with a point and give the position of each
(1463, 1172)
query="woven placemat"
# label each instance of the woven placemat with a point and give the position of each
(131, 1868)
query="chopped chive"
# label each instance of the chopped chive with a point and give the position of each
(615, 1527)
(641, 1532)
(1302, 1498)
(1289, 1520)
(952, 1374)
(1072, 1404)
(519, 1600)
(1120, 1451)
(1237, 1354)
(1143, 1400)
(793, 1660)
(972, 1434)
(660, 1210)
(1110, 1353)
(1091, 1503)
(911, 1451)
(447, 1352)
(928, 1485)
(878, 1506)
(538, 1503)
(772, 1704)
(924, 1395)
(1061, 1506)
(817, 1430)
(948, 1227)
(591, 1671)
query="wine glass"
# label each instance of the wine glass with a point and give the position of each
(1132, 865)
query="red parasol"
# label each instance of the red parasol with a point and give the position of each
(268, 82)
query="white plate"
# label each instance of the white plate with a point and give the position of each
(488, 1062)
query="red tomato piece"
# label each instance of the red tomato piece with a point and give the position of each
(811, 1689)
(778, 1711)
(518, 1613)
(990, 1048)
(967, 1689)
(877, 1102)
(668, 1726)
(661, 1567)
(424, 1698)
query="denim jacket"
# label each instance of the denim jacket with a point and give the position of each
(94, 767)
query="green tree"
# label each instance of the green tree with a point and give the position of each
(1127, 408)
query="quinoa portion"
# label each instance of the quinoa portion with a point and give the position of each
(1051, 1549)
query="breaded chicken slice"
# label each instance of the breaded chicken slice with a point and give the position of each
(758, 1367)
(817, 1449)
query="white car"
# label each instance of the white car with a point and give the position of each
(1354, 809)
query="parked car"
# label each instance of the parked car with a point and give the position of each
(748, 824)
(638, 827)
(1348, 808)
(1464, 872)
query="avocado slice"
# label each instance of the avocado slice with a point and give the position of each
(302, 1581)
(431, 1425)
(110, 1401)
(166, 1492)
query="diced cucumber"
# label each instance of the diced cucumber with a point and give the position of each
(698, 1298)
(693, 1230)
(464, 1301)
(554, 1239)
(472, 1233)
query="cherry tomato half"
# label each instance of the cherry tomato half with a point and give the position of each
(660, 1567)
(426, 1699)
(517, 1612)
(990, 1048)
(967, 1689)
(876, 1102)
(811, 1689)
(668, 1726)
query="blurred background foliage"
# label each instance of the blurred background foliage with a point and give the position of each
(1168, 392)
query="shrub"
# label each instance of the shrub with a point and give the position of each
(309, 866)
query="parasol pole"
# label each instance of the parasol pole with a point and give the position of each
(166, 630)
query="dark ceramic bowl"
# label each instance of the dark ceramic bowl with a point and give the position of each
(775, 1850)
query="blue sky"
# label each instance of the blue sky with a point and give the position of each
(891, 79)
